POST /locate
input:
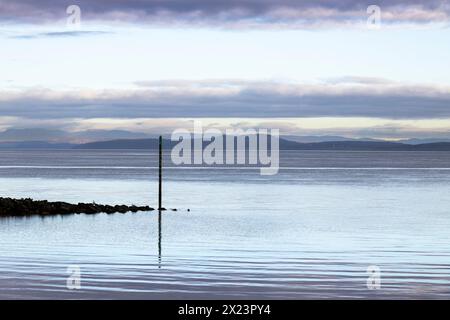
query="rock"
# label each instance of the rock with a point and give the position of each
(26, 207)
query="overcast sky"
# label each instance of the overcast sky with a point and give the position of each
(306, 67)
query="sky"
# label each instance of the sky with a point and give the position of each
(152, 66)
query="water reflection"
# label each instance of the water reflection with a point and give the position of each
(159, 238)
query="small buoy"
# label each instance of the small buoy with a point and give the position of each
(189, 210)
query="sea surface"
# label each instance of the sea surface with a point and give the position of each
(311, 231)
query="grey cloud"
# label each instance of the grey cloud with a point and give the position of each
(63, 34)
(263, 100)
(226, 12)
(360, 80)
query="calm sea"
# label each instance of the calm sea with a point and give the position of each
(309, 232)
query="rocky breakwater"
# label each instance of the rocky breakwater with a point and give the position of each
(27, 207)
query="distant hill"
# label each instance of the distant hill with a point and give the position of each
(316, 139)
(35, 145)
(356, 146)
(423, 141)
(57, 138)
(149, 144)
(152, 144)
(373, 146)
(61, 136)
(436, 146)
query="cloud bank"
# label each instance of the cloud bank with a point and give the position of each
(228, 13)
(234, 99)
(62, 34)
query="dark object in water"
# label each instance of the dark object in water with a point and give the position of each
(27, 207)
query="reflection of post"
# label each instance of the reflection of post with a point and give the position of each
(160, 175)
(159, 201)
(159, 239)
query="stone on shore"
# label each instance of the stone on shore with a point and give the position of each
(27, 207)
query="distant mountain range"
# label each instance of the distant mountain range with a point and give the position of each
(61, 136)
(35, 145)
(316, 139)
(26, 136)
(285, 144)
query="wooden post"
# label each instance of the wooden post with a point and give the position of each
(160, 175)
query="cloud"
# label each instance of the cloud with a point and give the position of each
(62, 34)
(228, 13)
(233, 99)
(85, 130)
(357, 80)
